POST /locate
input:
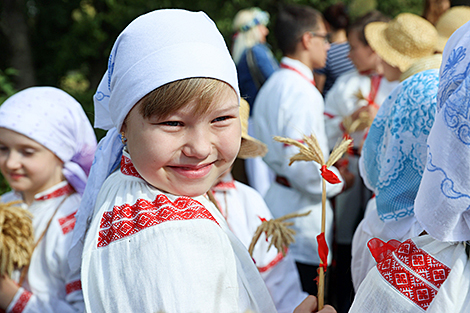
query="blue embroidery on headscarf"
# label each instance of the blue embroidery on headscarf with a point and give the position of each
(395, 150)
(110, 69)
(447, 184)
(100, 96)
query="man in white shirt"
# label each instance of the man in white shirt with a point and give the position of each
(289, 105)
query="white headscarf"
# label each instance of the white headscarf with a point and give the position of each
(155, 49)
(443, 200)
(57, 121)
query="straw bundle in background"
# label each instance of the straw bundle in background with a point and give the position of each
(16, 237)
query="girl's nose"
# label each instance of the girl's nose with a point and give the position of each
(13, 160)
(198, 144)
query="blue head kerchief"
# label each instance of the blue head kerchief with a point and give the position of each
(394, 153)
(443, 201)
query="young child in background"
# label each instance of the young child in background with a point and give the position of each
(244, 209)
(155, 242)
(46, 150)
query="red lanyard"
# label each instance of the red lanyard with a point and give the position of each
(299, 72)
(374, 87)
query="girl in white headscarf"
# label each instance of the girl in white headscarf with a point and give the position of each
(151, 240)
(432, 272)
(46, 150)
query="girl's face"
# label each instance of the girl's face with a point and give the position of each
(361, 55)
(28, 166)
(185, 154)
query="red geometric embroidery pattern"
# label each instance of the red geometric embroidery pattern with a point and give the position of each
(414, 273)
(224, 185)
(127, 168)
(57, 193)
(22, 302)
(67, 223)
(126, 220)
(73, 286)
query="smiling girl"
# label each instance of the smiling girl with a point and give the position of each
(154, 242)
(46, 150)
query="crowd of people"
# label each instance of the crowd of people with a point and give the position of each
(154, 217)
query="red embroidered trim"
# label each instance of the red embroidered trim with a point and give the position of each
(126, 220)
(67, 189)
(271, 264)
(329, 115)
(22, 302)
(127, 168)
(67, 223)
(422, 277)
(73, 286)
(224, 185)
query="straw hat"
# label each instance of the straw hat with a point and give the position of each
(449, 22)
(403, 40)
(250, 147)
(423, 64)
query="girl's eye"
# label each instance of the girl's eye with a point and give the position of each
(221, 119)
(3, 149)
(29, 152)
(171, 123)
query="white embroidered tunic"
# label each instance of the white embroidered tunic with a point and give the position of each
(289, 105)
(50, 285)
(243, 208)
(148, 251)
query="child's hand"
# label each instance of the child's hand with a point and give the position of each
(8, 289)
(310, 305)
(370, 110)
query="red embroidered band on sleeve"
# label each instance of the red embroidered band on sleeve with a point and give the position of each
(21, 302)
(73, 286)
(67, 223)
(126, 220)
(414, 273)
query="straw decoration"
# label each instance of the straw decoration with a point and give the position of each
(312, 152)
(279, 232)
(16, 237)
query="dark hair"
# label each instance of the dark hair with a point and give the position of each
(336, 16)
(291, 23)
(360, 24)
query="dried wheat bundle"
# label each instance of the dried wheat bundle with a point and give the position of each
(279, 232)
(312, 152)
(363, 121)
(16, 237)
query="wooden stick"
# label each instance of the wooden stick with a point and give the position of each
(321, 273)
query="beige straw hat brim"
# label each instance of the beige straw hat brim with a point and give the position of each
(449, 22)
(250, 147)
(427, 63)
(403, 40)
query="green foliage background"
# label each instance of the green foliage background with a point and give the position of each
(71, 39)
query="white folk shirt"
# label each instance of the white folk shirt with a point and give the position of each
(50, 286)
(148, 251)
(243, 208)
(421, 275)
(341, 101)
(289, 105)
